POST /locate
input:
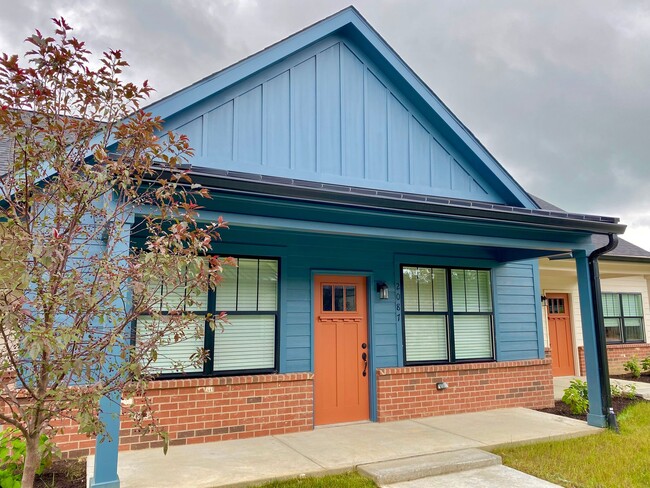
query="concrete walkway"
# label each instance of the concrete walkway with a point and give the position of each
(336, 449)
(492, 477)
(562, 382)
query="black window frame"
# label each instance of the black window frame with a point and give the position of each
(449, 314)
(622, 318)
(209, 334)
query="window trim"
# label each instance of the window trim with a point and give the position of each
(209, 335)
(622, 318)
(449, 314)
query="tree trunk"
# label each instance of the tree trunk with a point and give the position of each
(32, 461)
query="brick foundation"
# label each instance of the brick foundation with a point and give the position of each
(213, 409)
(617, 354)
(194, 411)
(406, 393)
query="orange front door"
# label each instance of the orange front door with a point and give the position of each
(341, 349)
(559, 328)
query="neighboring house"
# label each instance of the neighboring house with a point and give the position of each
(388, 264)
(624, 279)
(6, 153)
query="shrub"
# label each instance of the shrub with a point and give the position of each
(626, 391)
(645, 364)
(575, 396)
(632, 366)
(12, 457)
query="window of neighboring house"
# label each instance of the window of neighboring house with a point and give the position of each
(448, 314)
(248, 293)
(623, 313)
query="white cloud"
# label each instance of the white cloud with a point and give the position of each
(558, 90)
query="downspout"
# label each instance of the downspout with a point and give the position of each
(601, 341)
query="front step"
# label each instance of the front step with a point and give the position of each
(412, 468)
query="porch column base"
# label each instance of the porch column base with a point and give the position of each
(106, 446)
(596, 420)
(104, 484)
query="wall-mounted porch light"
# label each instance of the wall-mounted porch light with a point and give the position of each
(382, 289)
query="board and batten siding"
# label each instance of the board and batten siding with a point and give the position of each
(517, 311)
(327, 114)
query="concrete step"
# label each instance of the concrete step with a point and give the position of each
(490, 477)
(387, 472)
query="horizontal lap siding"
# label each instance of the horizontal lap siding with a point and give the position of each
(517, 312)
(341, 257)
(563, 282)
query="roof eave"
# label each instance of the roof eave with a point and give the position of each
(378, 202)
(625, 259)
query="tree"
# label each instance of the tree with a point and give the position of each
(86, 156)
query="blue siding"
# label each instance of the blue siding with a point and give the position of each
(517, 311)
(278, 121)
(352, 115)
(517, 316)
(328, 114)
(303, 116)
(248, 123)
(220, 123)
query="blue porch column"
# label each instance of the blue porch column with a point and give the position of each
(105, 471)
(106, 446)
(596, 416)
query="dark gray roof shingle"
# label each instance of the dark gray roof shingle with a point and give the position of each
(624, 248)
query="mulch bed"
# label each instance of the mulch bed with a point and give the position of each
(64, 473)
(560, 408)
(644, 378)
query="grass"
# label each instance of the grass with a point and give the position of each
(346, 480)
(603, 460)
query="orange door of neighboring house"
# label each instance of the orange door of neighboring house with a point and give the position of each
(341, 350)
(559, 329)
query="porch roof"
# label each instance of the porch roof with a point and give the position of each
(294, 189)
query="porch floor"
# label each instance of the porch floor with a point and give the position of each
(335, 449)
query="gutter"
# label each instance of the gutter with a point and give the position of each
(601, 341)
(626, 259)
(320, 193)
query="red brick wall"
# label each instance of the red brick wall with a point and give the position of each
(617, 354)
(213, 409)
(406, 393)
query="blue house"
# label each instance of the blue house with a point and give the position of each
(387, 263)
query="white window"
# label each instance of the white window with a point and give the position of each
(246, 343)
(440, 326)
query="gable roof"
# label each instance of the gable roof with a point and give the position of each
(624, 249)
(350, 24)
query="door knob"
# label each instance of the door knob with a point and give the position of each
(364, 357)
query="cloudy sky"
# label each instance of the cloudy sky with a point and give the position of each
(558, 91)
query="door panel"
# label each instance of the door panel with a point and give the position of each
(340, 334)
(560, 335)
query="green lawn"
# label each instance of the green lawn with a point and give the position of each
(603, 460)
(347, 480)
